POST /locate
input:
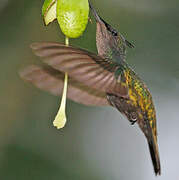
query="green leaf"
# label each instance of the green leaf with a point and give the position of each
(49, 11)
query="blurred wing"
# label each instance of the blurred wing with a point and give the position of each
(81, 65)
(51, 80)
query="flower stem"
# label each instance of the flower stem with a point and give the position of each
(60, 119)
(66, 41)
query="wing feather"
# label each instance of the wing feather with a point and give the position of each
(50, 80)
(81, 65)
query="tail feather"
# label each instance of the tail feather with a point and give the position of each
(153, 147)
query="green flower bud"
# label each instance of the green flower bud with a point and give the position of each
(72, 16)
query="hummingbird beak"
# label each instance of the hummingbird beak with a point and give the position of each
(106, 35)
(97, 17)
(101, 22)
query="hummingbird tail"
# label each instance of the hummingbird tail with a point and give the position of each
(153, 147)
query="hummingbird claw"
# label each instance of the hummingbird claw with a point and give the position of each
(133, 122)
(133, 118)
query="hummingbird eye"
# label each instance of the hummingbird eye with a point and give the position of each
(114, 33)
(110, 28)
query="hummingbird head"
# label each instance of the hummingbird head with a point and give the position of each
(108, 40)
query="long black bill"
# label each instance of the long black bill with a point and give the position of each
(97, 17)
(101, 21)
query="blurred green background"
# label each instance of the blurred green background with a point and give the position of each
(97, 142)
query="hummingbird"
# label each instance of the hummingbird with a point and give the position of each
(137, 105)
(103, 79)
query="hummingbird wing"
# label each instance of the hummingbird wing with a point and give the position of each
(83, 66)
(51, 80)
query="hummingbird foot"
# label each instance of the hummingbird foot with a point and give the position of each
(133, 122)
